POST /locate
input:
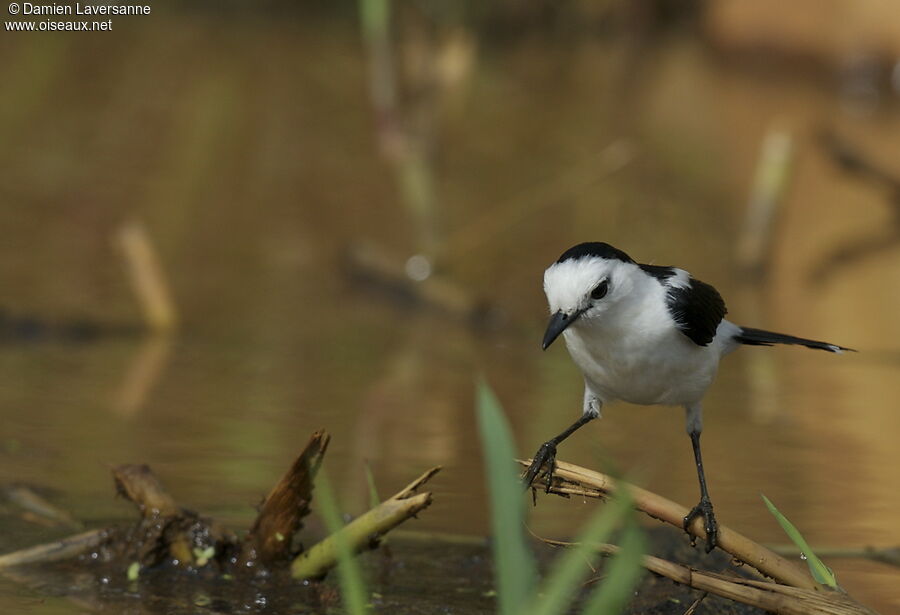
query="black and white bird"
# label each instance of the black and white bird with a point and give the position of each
(644, 334)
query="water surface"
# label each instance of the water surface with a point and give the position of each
(247, 148)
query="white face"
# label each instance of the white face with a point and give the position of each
(591, 285)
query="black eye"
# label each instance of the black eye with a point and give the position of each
(600, 290)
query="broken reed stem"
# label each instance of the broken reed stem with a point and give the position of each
(138, 483)
(168, 532)
(146, 276)
(405, 148)
(772, 597)
(362, 533)
(286, 505)
(570, 479)
(68, 547)
(769, 188)
(37, 505)
(410, 490)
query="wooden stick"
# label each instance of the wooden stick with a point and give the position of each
(574, 480)
(410, 490)
(362, 533)
(58, 550)
(772, 597)
(32, 502)
(769, 187)
(147, 277)
(138, 483)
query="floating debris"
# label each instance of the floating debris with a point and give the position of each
(168, 534)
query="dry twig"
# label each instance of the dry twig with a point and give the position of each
(147, 277)
(138, 483)
(71, 546)
(34, 503)
(574, 480)
(794, 593)
(167, 532)
(773, 597)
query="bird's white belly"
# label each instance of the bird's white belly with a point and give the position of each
(667, 369)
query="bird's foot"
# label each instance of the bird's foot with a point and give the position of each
(710, 525)
(545, 457)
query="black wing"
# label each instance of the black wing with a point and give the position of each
(698, 309)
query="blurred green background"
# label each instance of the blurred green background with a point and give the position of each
(287, 160)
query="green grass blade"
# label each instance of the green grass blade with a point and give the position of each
(354, 594)
(514, 565)
(375, 15)
(820, 572)
(623, 573)
(570, 568)
(374, 500)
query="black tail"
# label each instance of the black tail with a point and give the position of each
(758, 337)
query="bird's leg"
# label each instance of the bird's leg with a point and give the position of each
(704, 507)
(546, 454)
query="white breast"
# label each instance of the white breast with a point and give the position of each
(638, 355)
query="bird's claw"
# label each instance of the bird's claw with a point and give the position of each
(545, 456)
(710, 525)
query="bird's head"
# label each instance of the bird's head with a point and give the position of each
(587, 283)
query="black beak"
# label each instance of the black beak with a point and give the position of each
(558, 323)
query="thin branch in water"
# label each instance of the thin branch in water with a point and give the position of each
(691, 609)
(71, 546)
(37, 505)
(773, 597)
(570, 479)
